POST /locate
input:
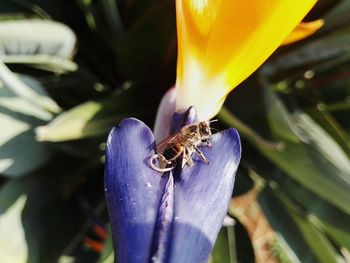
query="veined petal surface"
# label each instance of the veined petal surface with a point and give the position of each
(202, 194)
(133, 190)
(171, 218)
(164, 115)
(222, 42)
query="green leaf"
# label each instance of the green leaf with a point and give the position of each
(280, 122)
(330, 124)
(296, 162)
(245, 131)
(301, 159)
(331, 156)
(22, 90)
(107, 255)
(48, 231)
(73, 124)
(22, 154)
(317, 241)
(305, 163)
(90, 119)
(339, 106)
(66, 259)
(331, 220)
(282, 250)
(14, 128)
(46, 44)
(15, 103)
(133, 60)
(111, 11)
(338, 231)
(14, 249)
(19, 152)
(224, 250)
(289, 231)
(337, 16)
(311, 55)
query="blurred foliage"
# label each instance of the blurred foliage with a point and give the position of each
(70, 70)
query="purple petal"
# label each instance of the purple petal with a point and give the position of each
(165, 112)
(164, 224)
(156, 219)
(182, 119)
(202, 194)
(133, 190)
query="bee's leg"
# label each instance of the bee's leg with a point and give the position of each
(208, 144)
(184, 161)
(162, 160)
(201, 155)
(186, 158)
(189, 161)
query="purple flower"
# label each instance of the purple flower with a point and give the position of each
(172, 218)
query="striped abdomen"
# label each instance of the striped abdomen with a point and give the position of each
(173, 151)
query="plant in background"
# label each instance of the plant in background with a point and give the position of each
(72, 69)
(176, 218)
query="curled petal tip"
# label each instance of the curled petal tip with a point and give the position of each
(303, 30)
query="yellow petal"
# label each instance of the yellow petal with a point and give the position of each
(303, 30)
(222, 42)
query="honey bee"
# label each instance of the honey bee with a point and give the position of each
(182, 145)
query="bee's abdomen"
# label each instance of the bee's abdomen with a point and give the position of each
(173, 152)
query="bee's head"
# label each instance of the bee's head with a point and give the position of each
(204, 129)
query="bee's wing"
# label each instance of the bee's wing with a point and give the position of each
(165, 143)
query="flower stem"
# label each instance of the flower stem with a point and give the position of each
(230, 119)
